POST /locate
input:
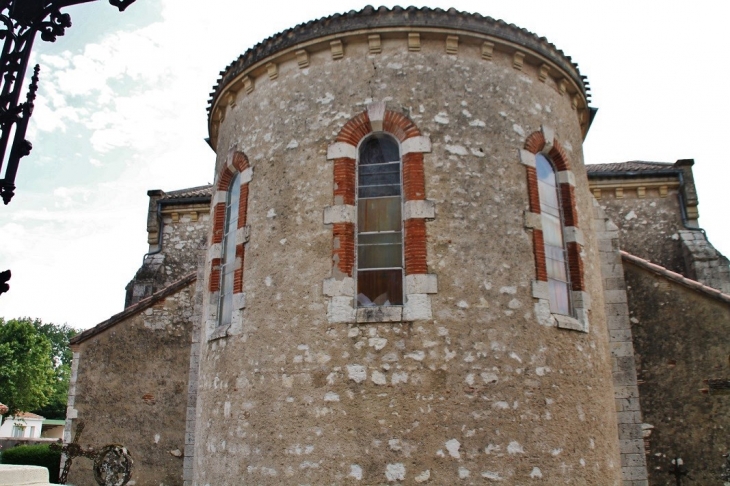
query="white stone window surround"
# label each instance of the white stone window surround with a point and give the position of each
(417, 288)
(580, 301)
(214, 331)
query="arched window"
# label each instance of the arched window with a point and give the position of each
(228, 254)
(379, 223)
(552, 228)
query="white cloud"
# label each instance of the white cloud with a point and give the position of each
(136, 100)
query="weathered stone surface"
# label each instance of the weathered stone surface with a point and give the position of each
(299, 397)
(681, 339)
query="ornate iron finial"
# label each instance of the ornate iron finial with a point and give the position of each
(20, 21)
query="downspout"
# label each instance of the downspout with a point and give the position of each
(161, 223)
(657, 173)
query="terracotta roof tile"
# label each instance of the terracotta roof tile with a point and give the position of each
(675, 277)
(134, 309)
(631, 166)
(412, 17)
(190, 192)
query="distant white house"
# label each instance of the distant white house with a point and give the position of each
(26, 425)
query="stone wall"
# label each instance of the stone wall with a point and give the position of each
(650, 225)
(485, 389)
(130, 386)
(625, 384)
(184, 232)
(681, 340)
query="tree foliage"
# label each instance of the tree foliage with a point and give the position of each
(35, 366)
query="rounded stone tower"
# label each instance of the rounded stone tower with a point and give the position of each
(403, 283)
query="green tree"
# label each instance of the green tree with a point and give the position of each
(59, 336)
(28, 377)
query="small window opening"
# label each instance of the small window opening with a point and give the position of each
(552, 230)
(379, 223)
(228, 257)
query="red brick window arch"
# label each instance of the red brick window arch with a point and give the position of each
(228, 240)
(557, 238)
(384, 207)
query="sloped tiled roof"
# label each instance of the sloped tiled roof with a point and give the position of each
(134, 309)
(28, 415)
(675, 277)
(190, 192)
(411, 17)
(632, 166)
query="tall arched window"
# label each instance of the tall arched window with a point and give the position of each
(379, 223)
(228, 256)
(552, 229)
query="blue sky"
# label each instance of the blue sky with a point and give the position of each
(121, 110)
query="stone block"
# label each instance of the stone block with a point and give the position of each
(421, 284)
(631, 446)
(619, 349)
(566, 177)
(380, 313)
(340, 213)
(239, 301)
(540, 290)
(619, 335)
(417, 307)
(567, 322)
(419, 209)
(340, 309)
(618, 322)
(614, 284)
(630, 431)
(527, 158)
(339, 150)
(633, 460)
(631, 417)
(615, 296)
(617, 310)
(376, 113)
(581, 299)
(416, 144)
(532, 220)
(334, 287)
(626, 392)
(247, 175)
(633, 473)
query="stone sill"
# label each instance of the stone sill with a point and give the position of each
(567, 322)
(219, 332)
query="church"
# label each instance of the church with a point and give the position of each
(405, 272)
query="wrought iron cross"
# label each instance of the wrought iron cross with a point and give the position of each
(112, 464)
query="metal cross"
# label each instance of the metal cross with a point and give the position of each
(112, 464)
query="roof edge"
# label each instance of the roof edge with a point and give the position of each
(134, 309)
(675, 277)
(340, 24)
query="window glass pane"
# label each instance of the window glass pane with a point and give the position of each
(556, 269)
(545, 171)
(379, 287)
(379, 149)
(552, 230)
(379, 238)
(548, 199)
(225, 305)
(559, 302)
(379, 214)
(226, 309)
(378, 191)
(388, 174)
(379, 256)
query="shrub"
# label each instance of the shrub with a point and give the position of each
(35, 455)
